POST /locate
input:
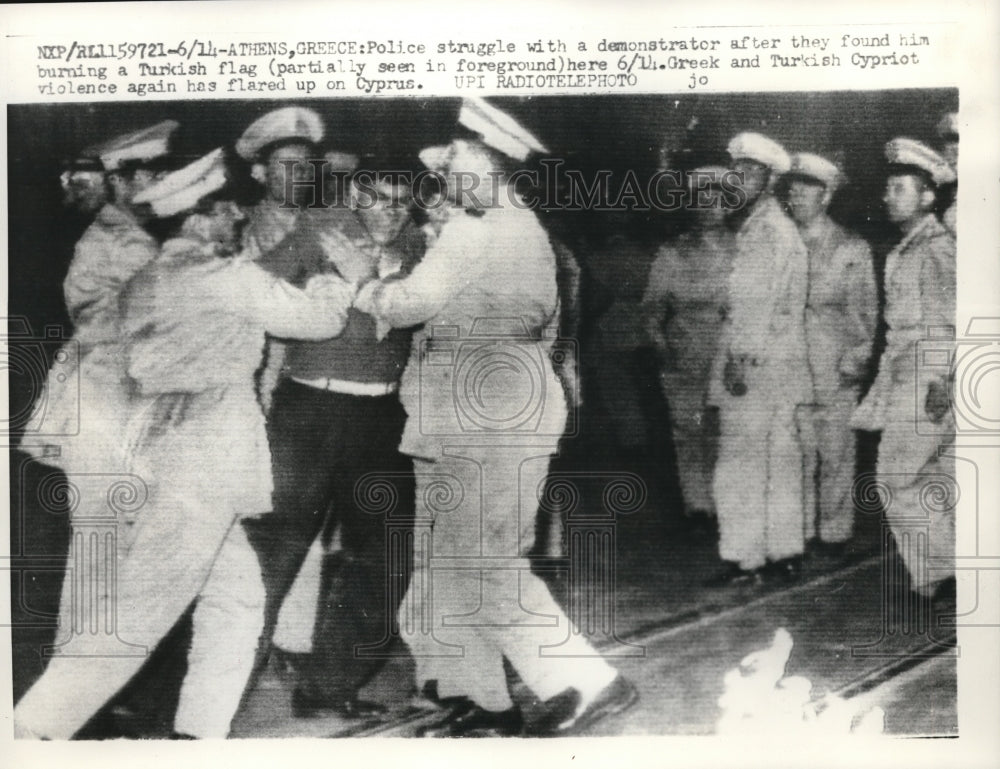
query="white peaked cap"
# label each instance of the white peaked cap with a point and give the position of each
(143, 145)
(948, 125)
(438, 157)
(816, 167)
(498, 129)
(182, 189)
(755, 146)
(279, 125)
(909, 152)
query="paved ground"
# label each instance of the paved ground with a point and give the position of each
(847, 641)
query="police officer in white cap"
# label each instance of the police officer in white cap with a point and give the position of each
(685, 304)
(761, 377)
(279, 146)
(88, 410)
(910, 402)
(841, 313)
(490, 272)
(195, 321)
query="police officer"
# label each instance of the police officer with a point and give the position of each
(89, 411)
(491, 271)
(841, 313)
(684, 306)
(761, 376)
(195, 325)
(910, 402)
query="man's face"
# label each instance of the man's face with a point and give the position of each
(84, 191)
(226, 218)
(383, 208)
(754, 175)
(144, 178)
(806, 200)
(289, 159)
(129, 184)
(906, 198)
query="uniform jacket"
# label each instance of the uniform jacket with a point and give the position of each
(86, 397)
(765, 327)
(479, 369)
(919, 306)
(841, 309)
(195, 326)
(687, 301)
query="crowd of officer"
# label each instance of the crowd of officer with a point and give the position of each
(273, 373)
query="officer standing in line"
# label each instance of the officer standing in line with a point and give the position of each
(761, 378)
(909, 402)
(685, 304)
(841, 313)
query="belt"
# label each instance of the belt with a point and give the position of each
(349, 388)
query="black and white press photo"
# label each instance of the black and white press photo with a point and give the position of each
(520, 416)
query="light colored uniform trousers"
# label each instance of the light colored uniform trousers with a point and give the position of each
(460, 623)
(695, 431)
(829, 449)
(919, 491)
(758, 480)
(179, 552)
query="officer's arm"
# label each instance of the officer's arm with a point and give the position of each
(91, 289)
(423, 293)
(317, 311)
(937, 298)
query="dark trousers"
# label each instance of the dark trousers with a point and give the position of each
(336, 463)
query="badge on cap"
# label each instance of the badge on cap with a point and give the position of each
(816, 168)
(280, 125)
(140, 146)
(497, 129)
(757, 147)
(902, 151)
(182, 189)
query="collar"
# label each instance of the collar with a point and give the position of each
(923, 229)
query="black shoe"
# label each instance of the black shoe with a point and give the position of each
(430, 692)
(564, 717)
(701, 525)
(943, 598)
(308, 705)
(473, 721)
(181, 736)
(732, 573)
(784, 569)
